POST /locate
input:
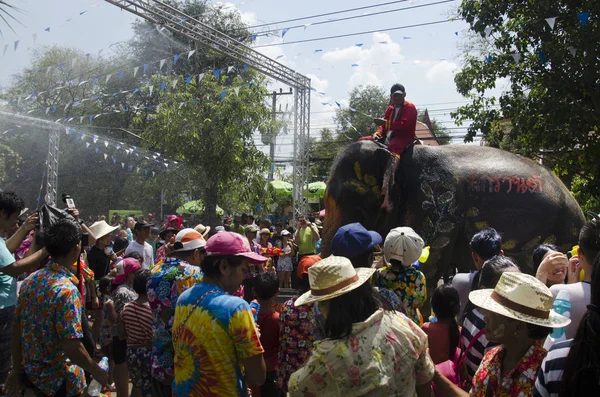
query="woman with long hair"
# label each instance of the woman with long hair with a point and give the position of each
(367, 350)
(444, 333)
(572, 367)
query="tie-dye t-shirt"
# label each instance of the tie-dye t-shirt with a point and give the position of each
(211, 342)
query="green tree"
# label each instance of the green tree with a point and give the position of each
(214, 135)
(552, 98)
(368, 103)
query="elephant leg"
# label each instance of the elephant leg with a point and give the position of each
(388, 181)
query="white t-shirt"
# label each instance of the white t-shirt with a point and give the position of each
(462, 282)
(144, 250)
(580, 295)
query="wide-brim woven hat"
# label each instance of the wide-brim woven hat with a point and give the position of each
(332, 277)
(101, 228)
(521, 297)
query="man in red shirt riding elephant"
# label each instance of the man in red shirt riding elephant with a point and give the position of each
(397, 127)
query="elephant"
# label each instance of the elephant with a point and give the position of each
(447, 194)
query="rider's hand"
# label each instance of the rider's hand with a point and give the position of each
(379, 121)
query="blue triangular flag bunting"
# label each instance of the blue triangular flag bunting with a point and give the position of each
(359, 45)
(188, 80)
(176, 58)
(542, 56)
(146, 67)
(217, 73)
(279, 57)
(163, 85)
(583, 17)
(354, 65)
(223, 93)
(91, 118)
(47, 29)
(121, 73)
(284, 31)
(254, 36)
(245, 67)
(319, 50)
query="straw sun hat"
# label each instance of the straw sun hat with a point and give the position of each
(332, 277)
(521, 297)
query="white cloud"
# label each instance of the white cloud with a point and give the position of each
(374, 61)
(442, 72)
(248, 18)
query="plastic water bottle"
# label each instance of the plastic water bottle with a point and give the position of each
(95, 388)
(561, 305)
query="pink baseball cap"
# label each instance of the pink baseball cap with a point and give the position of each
(230, 243)
(128, 266)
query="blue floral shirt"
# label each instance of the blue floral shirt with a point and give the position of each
(166, 282)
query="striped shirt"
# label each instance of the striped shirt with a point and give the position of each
(137, 318)
(474, 323)
(550, 375)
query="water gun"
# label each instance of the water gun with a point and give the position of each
(271, 251)
(575, 252)
(255, 307)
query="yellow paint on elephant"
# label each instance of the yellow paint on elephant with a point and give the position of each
(371, 180)
(509, 245)
(357, 170)
(481, 225)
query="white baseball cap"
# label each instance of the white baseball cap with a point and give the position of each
(187, 240)
(403, 244)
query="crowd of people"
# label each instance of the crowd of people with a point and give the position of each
(182, 311)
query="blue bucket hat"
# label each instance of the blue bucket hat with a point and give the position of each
(353, 239)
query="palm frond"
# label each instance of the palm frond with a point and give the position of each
(5, 12)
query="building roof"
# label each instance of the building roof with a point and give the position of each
(425, 134)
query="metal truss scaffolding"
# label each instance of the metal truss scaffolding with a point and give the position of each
(178, 22)
(54, 132)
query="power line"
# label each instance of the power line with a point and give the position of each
(357, 33)
(266, 32)
(329, 13)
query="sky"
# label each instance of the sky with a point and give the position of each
(423, 58)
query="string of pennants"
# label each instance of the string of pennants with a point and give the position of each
(583, 19)
(46, 30)
(105, 78)
(100, 144)
(163, 86)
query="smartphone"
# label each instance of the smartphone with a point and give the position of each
(85, 239)
(70, 203)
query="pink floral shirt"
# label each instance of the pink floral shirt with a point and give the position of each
(518, 382)
(385, 355)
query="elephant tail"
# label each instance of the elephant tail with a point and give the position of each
(388, 182)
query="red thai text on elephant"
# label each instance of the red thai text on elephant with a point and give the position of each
(505, 184)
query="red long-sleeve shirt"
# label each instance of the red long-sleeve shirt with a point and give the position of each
(402, 126)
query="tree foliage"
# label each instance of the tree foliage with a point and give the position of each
(550, 77)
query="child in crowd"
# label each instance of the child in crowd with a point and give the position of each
(444, 334)
(136, 318)
(109, 317)
(284, 263)
(401, 248)
(266, 289)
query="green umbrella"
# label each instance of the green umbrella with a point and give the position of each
(196, 207)
(282, 188)
(316, 191)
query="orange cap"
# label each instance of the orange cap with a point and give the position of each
(306, 262)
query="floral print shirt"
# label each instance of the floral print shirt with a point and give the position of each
(49, 310)
(121, 296)
(166, 282)
(409, 284)
(213, 333)
(105, 323)
(518, 382)
(385, 355)
(296, 339)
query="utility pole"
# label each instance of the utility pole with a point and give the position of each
(273, 133)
